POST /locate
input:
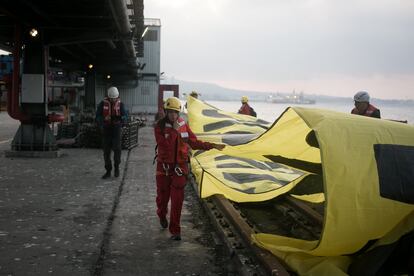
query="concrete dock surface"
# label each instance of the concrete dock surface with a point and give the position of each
(58, 217)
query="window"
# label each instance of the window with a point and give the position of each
(151, 35)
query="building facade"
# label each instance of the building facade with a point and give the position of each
(142, 96)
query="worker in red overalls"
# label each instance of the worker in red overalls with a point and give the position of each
(173, 138)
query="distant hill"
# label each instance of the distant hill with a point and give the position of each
(210, 91)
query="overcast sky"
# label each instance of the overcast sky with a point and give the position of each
(331, 47)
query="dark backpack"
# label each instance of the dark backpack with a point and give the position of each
(252, 112)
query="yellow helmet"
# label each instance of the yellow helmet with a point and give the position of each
(244, 99)
(173, 103)
(194, 94)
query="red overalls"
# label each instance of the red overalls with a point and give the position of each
(172, 169)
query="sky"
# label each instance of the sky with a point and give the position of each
(327, 47)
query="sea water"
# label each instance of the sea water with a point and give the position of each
(271, 111)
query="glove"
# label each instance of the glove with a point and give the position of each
(219, 146)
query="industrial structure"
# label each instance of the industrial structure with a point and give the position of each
(66, 54)
(141, 95)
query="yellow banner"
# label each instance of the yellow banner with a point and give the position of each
(360, 160)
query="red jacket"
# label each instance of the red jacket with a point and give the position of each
(173, 144)
(371, 111)
(245, 109)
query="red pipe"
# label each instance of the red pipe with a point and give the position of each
(13, 107)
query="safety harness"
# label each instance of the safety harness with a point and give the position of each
(184, 134)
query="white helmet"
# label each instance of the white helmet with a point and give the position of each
(113, 92)
(362, 97)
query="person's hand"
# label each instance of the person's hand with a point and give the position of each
(107, 118)
(219, 146)
(176, 126)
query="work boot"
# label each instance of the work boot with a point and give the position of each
(116, 173)
(175, 238)
(106, 175)
(164, 222)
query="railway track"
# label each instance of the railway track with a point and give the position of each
(236, 222)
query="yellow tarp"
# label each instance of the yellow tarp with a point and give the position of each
(355, 213)
(206, 119)
(243, 179)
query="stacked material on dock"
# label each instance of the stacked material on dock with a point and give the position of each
(364, 164)
(130, 135)
(67, 130)
(90, 136)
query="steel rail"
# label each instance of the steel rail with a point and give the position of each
(236, 233)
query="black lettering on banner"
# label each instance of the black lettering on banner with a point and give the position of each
(214, 113)
(395, 165)
(243, 178)
(233, 166)
(296, 163)
(242, 137)
(259, 165)
(217, 125)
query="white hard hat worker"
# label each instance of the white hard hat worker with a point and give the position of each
(363, 107)
(362, 97)
(113, 92)
(361, 101)
(244, 99)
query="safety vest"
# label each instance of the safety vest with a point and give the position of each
(371, 109)
(178, 152)
(111, 110)
(245, 109)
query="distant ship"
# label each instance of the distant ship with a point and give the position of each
(290, 99)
